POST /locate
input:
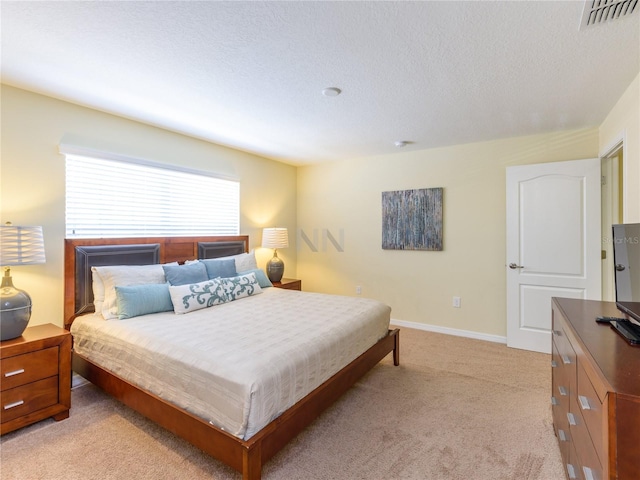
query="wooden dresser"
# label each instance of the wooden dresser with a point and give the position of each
(36, 377)
(596, 393)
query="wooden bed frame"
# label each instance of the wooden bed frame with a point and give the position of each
(245, 456)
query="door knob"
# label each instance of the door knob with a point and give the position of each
(619, 268)
(513, 266)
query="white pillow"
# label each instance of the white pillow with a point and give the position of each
(123, 275)
(98, 289)
(187, 298)
(245, 261)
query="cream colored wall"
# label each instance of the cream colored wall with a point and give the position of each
(419, 285)
(341, 198)
(33, 192)
(623, 123)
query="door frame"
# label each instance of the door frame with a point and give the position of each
(613, 210)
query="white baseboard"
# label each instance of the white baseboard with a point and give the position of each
(450, 331)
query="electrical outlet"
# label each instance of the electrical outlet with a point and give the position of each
(456, 302)
(358, 290)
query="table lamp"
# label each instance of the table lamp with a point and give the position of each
(275, 238)
(18, 246)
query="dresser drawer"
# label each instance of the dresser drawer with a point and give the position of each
(29, 398)
(28, 367)
(563, 434)
(592, 411)
(561, 382)
(572, 468)
(564, 357)
(588, 461)
(563, 345)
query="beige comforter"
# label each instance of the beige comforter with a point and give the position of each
(241, 364)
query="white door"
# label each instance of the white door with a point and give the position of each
(553, 244)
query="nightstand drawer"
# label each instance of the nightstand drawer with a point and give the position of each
(25, 399)
(28, 367)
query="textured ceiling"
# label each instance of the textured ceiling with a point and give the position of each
(250, 74)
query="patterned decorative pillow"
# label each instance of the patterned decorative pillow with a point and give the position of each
(187, 298)
(241, 286)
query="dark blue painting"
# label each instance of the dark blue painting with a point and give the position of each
(412, 219)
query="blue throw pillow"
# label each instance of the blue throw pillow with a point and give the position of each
(262, 278)
(136, 300)
(185, 274)
(217, 267)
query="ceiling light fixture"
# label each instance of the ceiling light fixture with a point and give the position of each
(331, 92)
(400, 143)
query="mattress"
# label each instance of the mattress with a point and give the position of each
(241, 364)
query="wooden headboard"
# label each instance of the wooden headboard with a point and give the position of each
(82, 254)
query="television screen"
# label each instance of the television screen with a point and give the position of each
(626, 258)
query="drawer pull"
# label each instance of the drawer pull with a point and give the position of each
(562, 390)
(572, 419)
(554, 364)
(562, 436)
(554, 402)
(584, 402)
(557, 333)
(588, 473)
(15, 372)
(571, 471)
(13, 405)
(566, 360)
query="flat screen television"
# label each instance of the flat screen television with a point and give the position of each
(626, 259)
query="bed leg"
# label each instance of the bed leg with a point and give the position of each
(252, 462)
(396, 348)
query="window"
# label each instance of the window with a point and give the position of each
(107, 197)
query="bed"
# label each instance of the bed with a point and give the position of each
(255, 433)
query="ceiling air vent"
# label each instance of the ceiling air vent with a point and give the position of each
(602, 11)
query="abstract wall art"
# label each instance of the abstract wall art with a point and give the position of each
(412, 219)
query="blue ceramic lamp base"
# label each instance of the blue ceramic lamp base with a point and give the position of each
(275, 268)
(15, 309)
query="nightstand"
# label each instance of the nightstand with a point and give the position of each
(36, 377)
(289, 284)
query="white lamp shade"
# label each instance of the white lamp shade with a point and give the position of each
(21, 245)
(275, 238)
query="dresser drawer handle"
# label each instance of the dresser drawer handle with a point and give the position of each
(554, 402)
(15, 372)
(588, 473)
(14, 404)
(571, 471)
(572, 419)
(557, 333)
(562, 390)
(584, 402)
(566, 360)
(554, 364)
(562, 436)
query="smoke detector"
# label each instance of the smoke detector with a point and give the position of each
(602, 11)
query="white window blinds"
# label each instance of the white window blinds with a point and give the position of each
(107, 198)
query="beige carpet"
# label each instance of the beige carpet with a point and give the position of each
(455, 409)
